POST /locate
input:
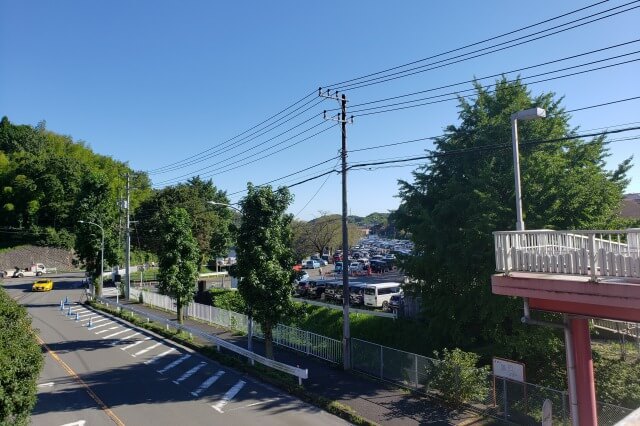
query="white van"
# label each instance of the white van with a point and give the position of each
(379, 295)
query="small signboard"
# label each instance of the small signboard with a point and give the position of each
(508, 369)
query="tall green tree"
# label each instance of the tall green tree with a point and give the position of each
(265, 258)
(466, 192)
(178, 258)
(209, 225)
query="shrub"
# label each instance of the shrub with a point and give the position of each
(20, 363)
(458, 379)
(227, 299)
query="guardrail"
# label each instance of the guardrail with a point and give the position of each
(594, 253)
(294, 371)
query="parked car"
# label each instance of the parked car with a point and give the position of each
(302, 288)
(379, 266)
(301, 277)
(312, 264)
(42, 285)
(355, 267)
(396, 302)
(338, 267)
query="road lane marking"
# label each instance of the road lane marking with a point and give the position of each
(78, 423)
(93, 327)
(144, 351)
(189, 373)
(125, 338)
(254, 404)
(157, 357)
(106, 330)
(97, 321)
(87, 315)
(116, 333)
(228, 396)
(73, 374)
(46, 385)
(175, 363)
(207, 383)
(136, 343)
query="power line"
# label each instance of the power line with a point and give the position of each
(262, 156)
(485, 51)
(317, 192)
(502, 74)
(331, 86)
(382, 110)
(239, 134)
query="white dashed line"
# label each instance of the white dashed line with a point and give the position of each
(228, 396)
(207, 383)
(93, 327)
(136, 343)
(175, 363)
(116, 333)
(189, 373)
(124, 338)
(157, 357)
(46, 385)
(147, 349)
(106, 330)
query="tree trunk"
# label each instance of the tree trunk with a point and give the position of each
(179, 309)
(268, 340)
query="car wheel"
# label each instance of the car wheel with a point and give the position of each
(385, 306)
(38, 274)
(20, 275)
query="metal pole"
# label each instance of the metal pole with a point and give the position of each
(346, 332)
(128, 246)
(516, 173)
(101, 266)
(504, 398)
(571, 372)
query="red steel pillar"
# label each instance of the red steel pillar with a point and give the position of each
(585, 386)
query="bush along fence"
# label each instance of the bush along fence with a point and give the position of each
(454, 379)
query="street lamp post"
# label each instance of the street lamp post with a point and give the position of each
(527, 114)
(101, 256)
(250, 317)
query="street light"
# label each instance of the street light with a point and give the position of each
(527, 114)
(101, 256)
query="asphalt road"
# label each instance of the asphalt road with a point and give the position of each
(110, 372)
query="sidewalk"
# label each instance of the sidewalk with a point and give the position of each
(371, 399)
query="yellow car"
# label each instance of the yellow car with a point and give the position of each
(42, 285)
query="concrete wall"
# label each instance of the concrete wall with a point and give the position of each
(25, 256)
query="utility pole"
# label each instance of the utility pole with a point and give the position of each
(127, 244)
(346, 329)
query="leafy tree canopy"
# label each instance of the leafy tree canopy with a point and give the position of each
(457, 200)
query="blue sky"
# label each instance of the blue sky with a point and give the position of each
(155, 82)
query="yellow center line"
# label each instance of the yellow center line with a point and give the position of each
(73, 374)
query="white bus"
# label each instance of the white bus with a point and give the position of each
(379, 295)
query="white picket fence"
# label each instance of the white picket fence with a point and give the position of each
(290, 337)
(592, 253)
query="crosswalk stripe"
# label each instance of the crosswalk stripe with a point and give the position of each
(136, 343)
(125, 338)
(157, 357)
(189, 373)
(116, 333)
(175, 363)
(147, 349)
(228, 396)
(93, 327)
(207, 383)
(106, 330)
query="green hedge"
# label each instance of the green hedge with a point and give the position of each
(21, 360)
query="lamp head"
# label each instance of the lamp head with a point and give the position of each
(529, 114)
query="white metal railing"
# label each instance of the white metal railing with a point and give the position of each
(592, 253)
(290, 337)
